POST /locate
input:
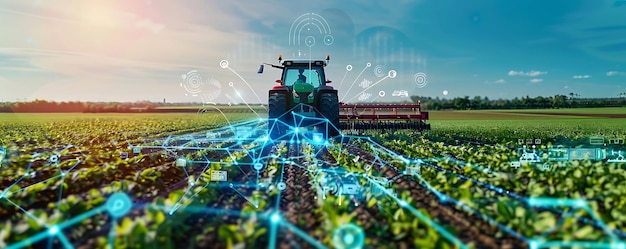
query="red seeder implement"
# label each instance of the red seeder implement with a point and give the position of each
(382, 117)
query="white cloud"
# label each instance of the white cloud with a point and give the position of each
(500, 81)
(536, 73)
(615, 73)
(586, 76)
(515, 73)
(532, 73)
(536, 80)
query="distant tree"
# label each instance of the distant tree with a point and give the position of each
(475, 103)
(559, 101)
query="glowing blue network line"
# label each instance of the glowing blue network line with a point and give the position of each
(446, 198)
(530, 201)
(541, 201)
(441, 230)
(55, 230)
(235, 143)
(249, 142)
(54, 159)
(295, 138)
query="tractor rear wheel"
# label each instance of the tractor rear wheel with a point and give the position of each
(329, 108)
(277, 108)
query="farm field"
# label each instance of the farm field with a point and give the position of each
(452, 187)
(603, 110)
(571, 113)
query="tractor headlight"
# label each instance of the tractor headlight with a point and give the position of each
(295, 94)
(310, 95)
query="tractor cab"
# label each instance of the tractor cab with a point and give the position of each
(301, 71)
(303, 79)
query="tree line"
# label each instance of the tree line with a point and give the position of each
(37, 106)
(428, 103)
(44, 106)
(539, 102)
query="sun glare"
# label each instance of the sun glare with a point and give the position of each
(101, 14)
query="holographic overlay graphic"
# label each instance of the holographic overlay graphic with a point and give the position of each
(420, 80)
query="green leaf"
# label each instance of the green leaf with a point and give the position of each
(259, 233)
(545, 221)
(504, 211)
(583, 232)
(125, 227)
(371, 202)
(138, 234)
(578, 173)
(520, 212)
(33, 224)
(147, 172)
(399, 214)
(159, 217)
(224, 232)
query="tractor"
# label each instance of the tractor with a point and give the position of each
(302, 98)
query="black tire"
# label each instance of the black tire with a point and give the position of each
(329, 108)
(277, 103)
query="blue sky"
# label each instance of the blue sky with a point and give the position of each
(140, 50)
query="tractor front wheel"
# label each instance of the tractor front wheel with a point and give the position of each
(277, 104)
(329, 108)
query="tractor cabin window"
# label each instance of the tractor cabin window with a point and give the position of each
(308, 76)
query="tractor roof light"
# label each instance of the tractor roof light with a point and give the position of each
(280, 58)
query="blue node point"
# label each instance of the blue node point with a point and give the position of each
(53, 230)
(318, 138)
(349, 236)
(275, 217)
(402, 203)
(258, 166)
(119, 204)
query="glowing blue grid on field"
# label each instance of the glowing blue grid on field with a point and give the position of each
(383, 157)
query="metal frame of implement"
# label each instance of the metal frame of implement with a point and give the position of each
(353, 117)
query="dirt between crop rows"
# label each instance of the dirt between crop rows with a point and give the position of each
(172, 183)
(471, 230)
(299, 202)
(296, 205)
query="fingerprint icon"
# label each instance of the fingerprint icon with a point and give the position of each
(192, 82)
(379, 71)
(420, 79)
(215, 91)
(365, 83)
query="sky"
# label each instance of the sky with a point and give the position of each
(209, 51)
